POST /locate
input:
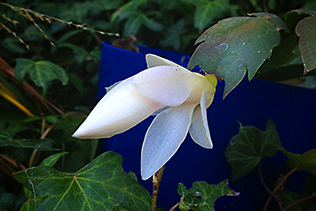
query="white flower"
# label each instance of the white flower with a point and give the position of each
(182, 96)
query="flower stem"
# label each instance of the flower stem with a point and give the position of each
(175, 206)
(156, 183)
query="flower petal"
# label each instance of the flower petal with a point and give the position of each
(164, 137)
(153, 60)
(120, 109)
(165, 84)
(199, 130)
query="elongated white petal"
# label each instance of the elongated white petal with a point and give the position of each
(164, 137)
(153, 60)
(122, 108)
(165, 84)
(199, 130)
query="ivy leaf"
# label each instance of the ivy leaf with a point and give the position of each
(100, 185)
(245, 149)
(51, 160)
(32, 199)
(235, 46)
(201, 196)
(41, 72)
(305, 161)
(288, 197)
(8, 139)
(306, 30)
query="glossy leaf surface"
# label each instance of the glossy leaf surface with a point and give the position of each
(201, 196)
(234, 47)
(245, 149)
(100, 185)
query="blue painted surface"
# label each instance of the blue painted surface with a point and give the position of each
(251, 103)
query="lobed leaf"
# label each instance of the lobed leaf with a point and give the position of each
(41, 72)
(245, 149)
(100, 185)
(305, 161)
(235, 46)
(201, 196)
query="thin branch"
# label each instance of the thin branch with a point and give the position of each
(266, 187)
(278, 187)
(299, 201)
(13, 162)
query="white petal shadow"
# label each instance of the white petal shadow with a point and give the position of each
(164, 137)
(199, 130)
(165, 84)
(119, 110)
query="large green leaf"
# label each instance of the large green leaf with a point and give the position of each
(201, 196)
(235, 46)
(100, 185)
(305, 161)
(306, 30)
(245, 149)
(41, 72)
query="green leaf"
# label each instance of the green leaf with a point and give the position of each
(281, 54)
(32, 199)
(14, 45)
(79, 151)
(245, 149)
(51, 160)
(306, 30)
(100, 185)
(235, 46)
(80, 53)
(7, 200)
(305, 161)
(207, 11)
(41, 72)
(293, 17)
(201, 196)
(288, 197)
(276, 20)
(7, 139)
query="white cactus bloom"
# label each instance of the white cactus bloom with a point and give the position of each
(182, 96)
